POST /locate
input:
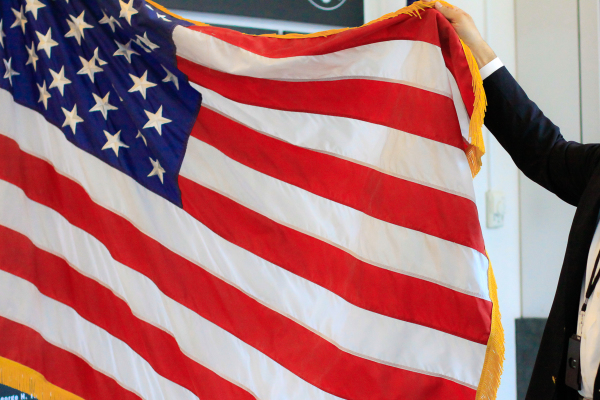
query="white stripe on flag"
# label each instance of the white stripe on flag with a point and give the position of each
(388, 150)
(380, 243)
(61, 326)
(409, 62)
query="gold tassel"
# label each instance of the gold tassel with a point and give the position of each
(494, 354)
(31, 382)
(476, 148)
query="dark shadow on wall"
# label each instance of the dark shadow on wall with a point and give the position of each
(243, 29)
(528, 333)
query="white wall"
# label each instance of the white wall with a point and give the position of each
(548, 70)
(589, 24)
(495, 19)
(497, 23)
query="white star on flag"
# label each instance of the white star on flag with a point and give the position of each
(46, 42)
(59, 81)
(111, 21)
(71, 118)
(114, 142)
(157, 170)
(44, 95)
(97, 57)
(127, 10)
(141, 84)
(20, 19)
(2, 34)
(156, 120)
(163, 17)
(9, 71)
(171, 78)
(77, 26)
(33, 58)
(139, 43)
(33, 6)
(139, 135)
(89, 67)
(125, 51)
(102, 105)
(144, 41)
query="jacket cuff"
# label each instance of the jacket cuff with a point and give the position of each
(491, 67)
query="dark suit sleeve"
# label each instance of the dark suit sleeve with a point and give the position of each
(534, 142)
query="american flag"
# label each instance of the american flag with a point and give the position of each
(188, 212)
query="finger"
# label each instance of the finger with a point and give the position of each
(450, 13)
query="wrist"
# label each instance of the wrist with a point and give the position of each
(482, 52)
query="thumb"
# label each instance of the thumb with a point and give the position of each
(450, 13)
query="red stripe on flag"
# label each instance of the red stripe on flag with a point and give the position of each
(431, 27)
(296, 348)
(27, 347)
(406, 108)
(408, 204)
(362, 284)
(56, 279)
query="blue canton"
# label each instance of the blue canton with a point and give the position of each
(105, 73)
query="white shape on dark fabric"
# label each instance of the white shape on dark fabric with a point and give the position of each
(89, 68)
(146, 42)
(125, 51)
(102, 105)
(77, 26)
(33, 58)
(139, 135)
(114, 142)
(141, 84)
(111, 21)
(2, 34)
(59, 81)
(97, 57)
(171, 77)
(127, 10)
(71, 118)
(33, 6)
(20, 19)
(46, 42)
(157, 170)
(9, 71)
(156, 120)
(44, 95)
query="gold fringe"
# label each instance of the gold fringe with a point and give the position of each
(26, 380)
(494, 354)
(476, 148)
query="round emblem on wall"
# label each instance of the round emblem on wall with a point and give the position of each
(327, 5)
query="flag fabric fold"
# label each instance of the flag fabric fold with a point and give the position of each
(190, 212)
